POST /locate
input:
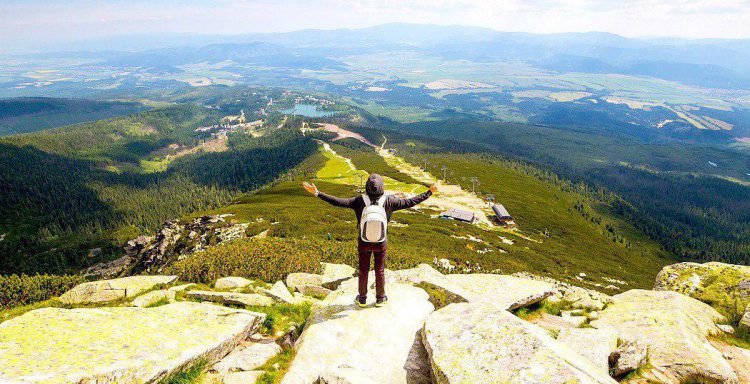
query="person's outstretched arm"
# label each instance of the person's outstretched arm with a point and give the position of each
(398, 204)
(333, 200)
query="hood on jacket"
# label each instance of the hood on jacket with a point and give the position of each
(374, 186)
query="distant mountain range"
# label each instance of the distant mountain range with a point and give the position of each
(716, 63)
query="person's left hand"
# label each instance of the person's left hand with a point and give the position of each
(310, 187)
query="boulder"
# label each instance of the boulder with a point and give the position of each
(481, 342)
(628, 357)
(280, 292)
(232, 282)
(344, 342)
(118, 344)
(724, 286)
(745, 321)
(334, 274)
(232, 298)
(294, 280)
(674, 327)
(103, 291)
(594, 344)
(313, 290)
(248, 356)
(153, 297)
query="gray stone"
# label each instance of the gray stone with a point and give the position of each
(232, 298)
(248, 356)
(628, 357)
(103, 291)
(343, 341)
(675, 329)
(280, 292)
(481, 342)
(118, 344)
(151, 298)
(594, 344)
(294, 280)
(313, 290)
(232, 282)
(745, 321)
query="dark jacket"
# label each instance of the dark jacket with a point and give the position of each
(374, 189)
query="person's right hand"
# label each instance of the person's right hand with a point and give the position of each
(310, 187)
(435, 187)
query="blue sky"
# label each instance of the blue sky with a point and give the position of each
(47, 21)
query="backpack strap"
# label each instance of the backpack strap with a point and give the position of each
(366, 199)
(382, 200)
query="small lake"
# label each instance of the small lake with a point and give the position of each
(308, 110)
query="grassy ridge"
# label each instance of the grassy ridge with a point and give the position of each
(556, 238)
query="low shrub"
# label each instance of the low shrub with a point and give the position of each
(18, 290)
(269, 259)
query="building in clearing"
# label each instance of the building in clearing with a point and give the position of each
(458, 214)
(502, 216)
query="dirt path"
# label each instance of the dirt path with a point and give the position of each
(340, 169)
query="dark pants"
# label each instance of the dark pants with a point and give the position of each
(378, 253)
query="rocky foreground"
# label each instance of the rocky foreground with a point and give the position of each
(476, 328)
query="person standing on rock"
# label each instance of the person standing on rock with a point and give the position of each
(373, 210)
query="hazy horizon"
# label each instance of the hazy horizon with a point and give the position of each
(42, 24)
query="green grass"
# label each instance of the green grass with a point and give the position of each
(190, 375)
(281, 317)
(274, 373)
(544, 306)
(740, 338)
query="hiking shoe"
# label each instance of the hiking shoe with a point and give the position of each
(361, 301)
(380, 301)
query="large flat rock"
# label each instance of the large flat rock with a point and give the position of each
(103, 291)
(346, 344)
(118, 344)
(674, 327)
(481, 342)
(506, 291)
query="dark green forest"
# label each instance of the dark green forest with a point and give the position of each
(59, 194)
(31, 114)
(670, 191)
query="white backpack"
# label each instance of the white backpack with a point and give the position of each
(373, 224)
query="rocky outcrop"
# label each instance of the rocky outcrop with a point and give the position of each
(674, 328)
(177, 239)
(118, 344)
(726, 287)
(481, 342)
(103, 291)
(345, 344)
